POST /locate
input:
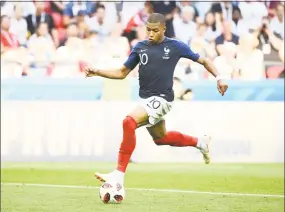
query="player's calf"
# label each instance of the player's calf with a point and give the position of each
(126, 149)
(178, 139)
(128, 143)
(173, 138)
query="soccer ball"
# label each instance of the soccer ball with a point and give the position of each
(112, 192)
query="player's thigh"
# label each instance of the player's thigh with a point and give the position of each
(158, 130)
(139, 114)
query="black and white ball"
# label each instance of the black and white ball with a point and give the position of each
(112, 193)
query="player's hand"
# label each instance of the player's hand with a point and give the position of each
(222, 87)
(90, 72)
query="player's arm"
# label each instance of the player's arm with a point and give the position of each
(186, 52)
(120, 73)
(209, 66)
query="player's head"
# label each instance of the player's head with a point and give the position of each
(155, 27)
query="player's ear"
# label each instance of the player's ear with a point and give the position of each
(164, 28)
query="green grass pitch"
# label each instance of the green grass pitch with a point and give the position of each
(198, 188)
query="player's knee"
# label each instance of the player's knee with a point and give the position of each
(129, 123)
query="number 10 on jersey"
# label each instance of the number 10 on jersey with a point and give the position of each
(143, 59)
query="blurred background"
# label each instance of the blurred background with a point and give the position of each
(49, 108)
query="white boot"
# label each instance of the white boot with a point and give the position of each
(203, 146)
(116, 175)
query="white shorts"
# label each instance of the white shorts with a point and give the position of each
(156, 108)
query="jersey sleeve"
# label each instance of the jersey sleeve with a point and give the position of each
(186, 52)
(133, 59)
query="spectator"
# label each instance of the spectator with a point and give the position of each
(226, 62)
(226, 36)
(253, 11)
(14, 63)
(130, 10)
(138, 19)
(93, 48)
(66, 63)
(7, 7)
(182, 4)
(57, 6)
(81, 21)
(73, 41)
(271, 5)
(8, 40)
(277, 23)
(55, 9)
(13, 59)
(203, 7)
(71, 32)
(199, 43)
(249, 54)
(19, 25)
(68, 58)
(269, 42)
(112, 16)
(41, 16)
(224, 9)
(140, 35)
(185, 27)
(98, 22)
(168, 9)
(240, 26)
(116, 49)
(71, 10)
(41, 46)
(213, 30)
(118, 44)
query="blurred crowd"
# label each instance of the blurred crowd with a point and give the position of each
(58, 38)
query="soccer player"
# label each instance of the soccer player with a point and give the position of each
(157, 58)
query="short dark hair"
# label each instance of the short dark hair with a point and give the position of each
(156, 18)
(100, 6)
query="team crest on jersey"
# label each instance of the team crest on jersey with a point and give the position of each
(166, 53)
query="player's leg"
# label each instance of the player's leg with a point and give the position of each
(137, 118)
(173, 138)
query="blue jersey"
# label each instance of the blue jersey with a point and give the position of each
(156, 66)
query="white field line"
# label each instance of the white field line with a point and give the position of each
(147, 189)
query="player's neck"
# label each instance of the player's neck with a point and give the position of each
(161, 40)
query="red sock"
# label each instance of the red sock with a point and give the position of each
(128, 144)
(178, 139)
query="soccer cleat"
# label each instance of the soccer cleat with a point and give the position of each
(112, 176)
(103, 177)
(204, 148)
